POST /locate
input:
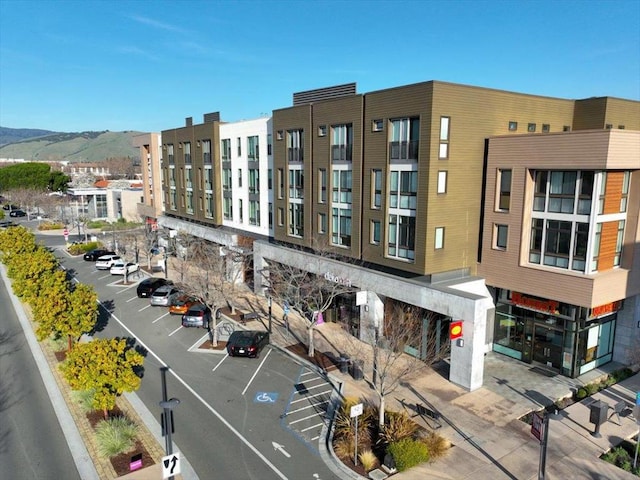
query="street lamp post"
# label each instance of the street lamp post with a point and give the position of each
(167, 422)
(270, 301)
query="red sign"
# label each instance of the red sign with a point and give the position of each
(604, 309)
(537, 426)
(65, 232)
(546, 306)
(455, 330)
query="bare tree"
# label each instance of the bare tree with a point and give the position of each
(310, 293)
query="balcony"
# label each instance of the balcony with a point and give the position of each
(407, 150)
(341, 153)
(295, 155)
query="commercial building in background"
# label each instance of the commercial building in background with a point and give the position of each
(452, 198)
(150, 206)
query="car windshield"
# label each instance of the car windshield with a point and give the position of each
(243, 340)
(195, 313)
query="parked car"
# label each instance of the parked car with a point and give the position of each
(120, 268)
(164, 295)
(93, 255)
(247, 343)
(181, 304)
(17, 213)
(149, 285)
(106, 261)
(198, 315)
(10, 207)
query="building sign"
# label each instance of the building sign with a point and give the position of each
(339, 280)
(546, 306)
(605, 309)
(455, 330)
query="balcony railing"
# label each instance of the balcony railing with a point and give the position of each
(295, 155)
(187, 158)
(407, 150)
(206, 158)
(341, 153)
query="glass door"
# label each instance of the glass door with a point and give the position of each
(547, 346)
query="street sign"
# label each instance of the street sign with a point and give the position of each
(537, 426)
(638, 399)
(357, 410)
(65, 232)
(170, 465)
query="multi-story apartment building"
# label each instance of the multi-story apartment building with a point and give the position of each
(395, 179)
(150, 206)
(217, 174)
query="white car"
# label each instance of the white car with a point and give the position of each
(119, 268)
(106, 261)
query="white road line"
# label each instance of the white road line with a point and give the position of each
(125, 289)
(256, 372)
(106, 276)
(220, 362)
(308, 373)
(312, 426)
(311, 396)
(144, 308)
(160, 318)
(201, 400)
(198, 342)
(175, 330)
(305, 418)
(132, 299)
(306, 389)
(308, 406)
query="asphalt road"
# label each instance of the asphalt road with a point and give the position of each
(238, 418)
(32, 444)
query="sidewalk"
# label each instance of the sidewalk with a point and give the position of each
(489, 442)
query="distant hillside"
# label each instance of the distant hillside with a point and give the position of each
(72, 147)
(11, 135)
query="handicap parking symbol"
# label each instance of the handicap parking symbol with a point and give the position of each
(266, 397)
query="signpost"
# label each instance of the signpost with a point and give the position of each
(636, 413)
(356, 411)
(540, 430)
(65, 232)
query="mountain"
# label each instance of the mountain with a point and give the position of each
(44, 145)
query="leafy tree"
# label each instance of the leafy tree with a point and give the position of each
(32, 175)
(81, 315)
(16, 241)
(30, 270)
(51, 305)
(108, 366)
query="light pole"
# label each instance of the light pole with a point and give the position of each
(269, 302)
(167, 422)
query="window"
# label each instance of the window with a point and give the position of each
(239, 147)
(322, 131)
(322, 185)
(376, 189)
(270, 212)
(187, 153)
(269, 179)
(227, 208)
(377, 125)
(226, 179)
(405, 135)
(562, 187)
(170, 155)
(402, 232)
(608, 126)
(254, 180)
(596, 247)
(341, 187)
(444, 137)
(439, 238)
(295, 145)
(513, 126)
(296, 219)
(557, 243)
(240, 211)
(442, 181)
(188, 177)
(226, 149)
(172, 176)
(296, 184)
(501, 232)
(253, 148)
(546, 128)
(280, 183)
(341, 226)
(621, 127)
(206, 152)
(322, 223)
(624, 198)
(580, 247)
(269, 144)
(208, 178)
(375, 232)
(535, 246)
(504, 199)
(189, 201)
(280, 216)
(240, 177)
(173, 197)
(403, 189)
(279, 134)
(566, 128)
(618, 255)
(531, 127)
(341, 143)
(208, 205)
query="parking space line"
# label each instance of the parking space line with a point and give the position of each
(220, 362)
(304, 408)
(312, 426)
(124, 290)
(306, 389)
(256, 372)
(308, 373)
(175, 330)
(311, 396)
(307, 417)
(160, 318)
(106, 276)
(132, 299)
(144, 308)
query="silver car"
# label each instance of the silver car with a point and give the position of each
(163, 296)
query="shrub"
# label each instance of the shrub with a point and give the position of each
(408, 453)
(344, 424)
(50, 226)
(581, 393)
(115, 435)
(398, 426)
(96, 224)
(344, 447)
(592, 388)
(368, 460)
(57, 343)
(437, 445)
(80, 248)
(84, 398)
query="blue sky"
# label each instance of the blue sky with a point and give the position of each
(68, 65)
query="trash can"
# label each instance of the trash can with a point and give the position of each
(344, 363)
(598, 416)
(357, 369)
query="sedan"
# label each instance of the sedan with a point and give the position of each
(163, 296)
(180, 305)
(120, 268)
(247, 343)
(106, 261)
(95, 254)
(199, 315)
(17, 213)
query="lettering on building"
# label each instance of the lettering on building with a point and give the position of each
(336, 279)
(546, 306)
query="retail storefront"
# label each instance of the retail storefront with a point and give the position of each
(567, 338)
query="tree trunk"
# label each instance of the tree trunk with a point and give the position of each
(312, 350)
(105, 413)
(69, 342)
(381, 412)
(214, 330)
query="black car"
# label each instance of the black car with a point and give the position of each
(93, 255)
(198, 315)
(10, 207)
(149, 285)
(247, 343)
(17, 213)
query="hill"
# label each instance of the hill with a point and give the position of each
(11, 135)
(72, 147)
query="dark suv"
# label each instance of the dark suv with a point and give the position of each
(93, 255)
(247, 343)
(149, 285)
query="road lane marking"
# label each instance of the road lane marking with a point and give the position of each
(311, 396)
(256, 372)
(175, 330)
(220, 362)
(132, 299)
(312, 427)
(144, 308)
(106, 276)
(200, 399)
(306, 389)
(313, 405)
(160, 318)
(305, 418)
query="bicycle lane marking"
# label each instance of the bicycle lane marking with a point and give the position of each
(200, 399)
